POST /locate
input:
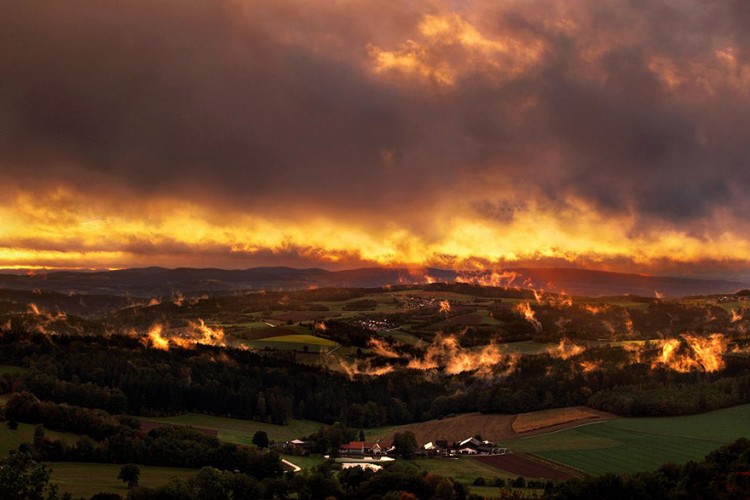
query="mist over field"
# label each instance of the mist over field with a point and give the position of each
(433, 249)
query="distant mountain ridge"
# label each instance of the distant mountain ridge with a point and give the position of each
(158, 281)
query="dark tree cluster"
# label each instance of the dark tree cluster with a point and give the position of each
(88, 395)
(329, 438)
(346, 334)
(322, 482)
(134, 379)
(22, 478)
(109, 439)
(97, 424)
(541, 382)
(212, 380)
(361, 305)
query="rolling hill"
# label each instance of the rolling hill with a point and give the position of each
(160, 281)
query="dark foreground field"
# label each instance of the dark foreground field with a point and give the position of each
(529, 466)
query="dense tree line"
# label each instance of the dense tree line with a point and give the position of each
(97, 424)
(494, 292)
(135, 379)
(393, 483)
(361, 305)
(117, 439)
(49, 388)
(542, 382)
(656, 400)
(218, 306)
(211, 380)
(345, 334)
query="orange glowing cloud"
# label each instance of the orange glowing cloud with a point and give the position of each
(693, 353)
(162, 337)
(70, 230)
(345, 134)
(429, 58)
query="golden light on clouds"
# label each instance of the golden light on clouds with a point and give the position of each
(446, 46)
(69, 230)
(231, 134)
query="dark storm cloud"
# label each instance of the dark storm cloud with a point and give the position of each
(162, 93)
(626, 138)
(267, 105)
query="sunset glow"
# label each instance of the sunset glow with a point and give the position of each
(467, 135)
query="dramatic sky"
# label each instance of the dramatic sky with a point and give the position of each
(610, 134)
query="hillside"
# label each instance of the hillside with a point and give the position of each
(492, 427)
(160, 281)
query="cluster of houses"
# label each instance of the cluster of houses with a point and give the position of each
(360, 449)
(414, 302)
(469, 446)
(376, 325)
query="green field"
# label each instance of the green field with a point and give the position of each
(12, 369)
(494, 492)
(303, 339)
(402, 336)
(525, 347)
(85, 480)
(627, 304)
(9, 440)
(376, 433)
(239, 431)
(252, 325)
(464, 469)
(334, 307)
(305, 462)
(292, 343)
(639, 444)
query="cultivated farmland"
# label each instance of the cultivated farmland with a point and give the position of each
(527, 466)
(548, 418)
(630, 445)
(492, 427)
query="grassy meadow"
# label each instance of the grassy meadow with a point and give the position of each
(10, 439)
(11, 369)
(630, 445)
(85, 479)
(464, 469)
(234, 430)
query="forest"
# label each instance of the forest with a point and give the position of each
(354, 359)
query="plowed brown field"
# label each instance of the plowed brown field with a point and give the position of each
(529, 467)
(493, 427)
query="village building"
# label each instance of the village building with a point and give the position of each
(360, 448)
(469, 446)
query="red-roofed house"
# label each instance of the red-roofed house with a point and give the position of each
(360, 448)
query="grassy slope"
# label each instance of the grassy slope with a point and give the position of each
(376, 433)
(238, 431)
(494, 492)
(9, 440)
(303, 339)
(85, 479)
(292, 342)
(636, 444)
(464, 469)
(305, 462)
(12, 369)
